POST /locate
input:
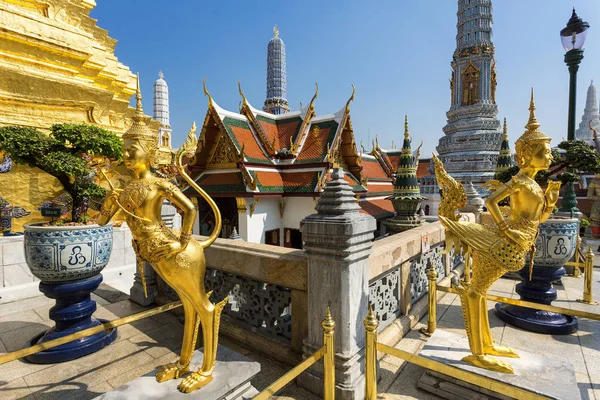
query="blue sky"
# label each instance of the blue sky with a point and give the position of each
(396, 52)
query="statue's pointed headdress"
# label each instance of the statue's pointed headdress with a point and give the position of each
(139, 130)
(532, 132)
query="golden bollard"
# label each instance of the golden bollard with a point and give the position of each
(432, 315)
(588, 275)
(328, 325)
(576, 271)
(371, 325)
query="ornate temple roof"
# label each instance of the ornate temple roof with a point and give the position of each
(252, 153)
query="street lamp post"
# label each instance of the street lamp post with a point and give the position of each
(572, 38)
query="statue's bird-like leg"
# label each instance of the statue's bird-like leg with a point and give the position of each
(180, 367)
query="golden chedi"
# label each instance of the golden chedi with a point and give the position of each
(56, 66)
(175, 256)
(502, 246)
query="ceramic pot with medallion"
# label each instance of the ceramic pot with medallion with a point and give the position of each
(555, 245)
(68, 260)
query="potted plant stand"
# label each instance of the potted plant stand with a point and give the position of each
(555, 245)
(68, 260)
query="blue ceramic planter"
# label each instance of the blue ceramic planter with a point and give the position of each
(68, 261)
(555, 246)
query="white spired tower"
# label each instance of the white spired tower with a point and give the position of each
(161, 111)
(590, 115)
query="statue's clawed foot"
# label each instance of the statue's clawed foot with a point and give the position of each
(171, 371)
(194, 382)
(501, 351)
(489, 363)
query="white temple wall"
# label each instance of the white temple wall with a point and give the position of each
(296, 208)
(265, 217)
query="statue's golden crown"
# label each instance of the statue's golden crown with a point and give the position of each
(532, 132)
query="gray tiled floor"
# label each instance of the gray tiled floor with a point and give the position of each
(146, 344)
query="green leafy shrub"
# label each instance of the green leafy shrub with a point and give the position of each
(577, 155)
(66, 154)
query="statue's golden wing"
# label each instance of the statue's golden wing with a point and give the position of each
(453, 193)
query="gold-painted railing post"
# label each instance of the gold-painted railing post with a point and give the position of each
(588, 274)
(432, 315)
(328, 325)
(576, 271)
(371, 325)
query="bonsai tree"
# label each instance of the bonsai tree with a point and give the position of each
(576, 154)
(66, 153)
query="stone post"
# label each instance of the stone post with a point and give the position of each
(337, 242)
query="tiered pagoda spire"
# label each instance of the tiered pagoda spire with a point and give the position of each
(469, 149)
(407, 197)
(161, 110)
(590, 116)
(406, 184)
(276, 102)
(505, 160)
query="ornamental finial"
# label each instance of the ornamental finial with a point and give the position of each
(242, 93)
(406, 134)
(139, 111)
(210, 100)
(276, 30)
(532, 128)
(161, 75)
(533, 123)
(350, 99)
(505, 131)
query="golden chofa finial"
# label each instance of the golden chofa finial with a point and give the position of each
(276, 30)
(244, 101)
(532, 128)
(210, 100)
(350, 99)
(161, 75)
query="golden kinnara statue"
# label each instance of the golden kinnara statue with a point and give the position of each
(502, 247)
(175, 256)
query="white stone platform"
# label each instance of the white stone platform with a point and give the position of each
(533, 372)
(231, 380)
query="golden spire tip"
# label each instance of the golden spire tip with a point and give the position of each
(276, 30)
(161, 75)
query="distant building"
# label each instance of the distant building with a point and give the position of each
(590, 116)
(266, 171)
(161, 111)
(276, 102)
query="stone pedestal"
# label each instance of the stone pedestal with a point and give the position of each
(71, 313)
(533, 372)
(337, 242)
(136, 293)
(231, 381)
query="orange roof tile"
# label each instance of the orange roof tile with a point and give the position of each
(279, 132)
(275, 182)
(422, 168)
(320, 135)
(372, 169)
(377, 208)
(386, 188)
(244, 137)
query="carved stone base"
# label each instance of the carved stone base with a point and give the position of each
(533, 372)
(231, 381)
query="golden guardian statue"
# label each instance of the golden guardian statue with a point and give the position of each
(500, 247)
(175, 256)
